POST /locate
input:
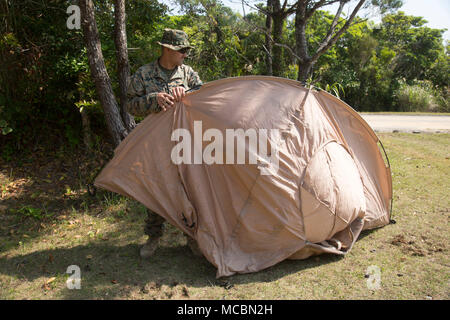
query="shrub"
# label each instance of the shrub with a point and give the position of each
(444, 100)
(417, 97)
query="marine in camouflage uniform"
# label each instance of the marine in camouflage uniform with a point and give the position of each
(153, 78)
(143, 89)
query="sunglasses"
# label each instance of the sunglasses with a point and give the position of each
(184, 50)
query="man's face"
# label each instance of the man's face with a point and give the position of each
(177, 57)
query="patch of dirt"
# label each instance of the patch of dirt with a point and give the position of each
(417, 245)
(156, 290)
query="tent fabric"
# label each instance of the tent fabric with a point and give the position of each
(328, 183)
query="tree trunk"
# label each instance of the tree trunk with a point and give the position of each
(304, 70)
(101, 78)
(87, 137)
(278, 20)
(301, 45)
(123, 68)
(218, 32)
(269, 69)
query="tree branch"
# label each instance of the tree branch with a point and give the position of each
(334, 23)
(321, 3)
(265, 12)
(264, 31)
(288, 48)
(331, 41)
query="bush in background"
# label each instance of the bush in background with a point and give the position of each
(418, 97)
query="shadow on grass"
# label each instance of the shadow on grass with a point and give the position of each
(111, 271)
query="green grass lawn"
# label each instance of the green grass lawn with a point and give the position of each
(49, 222)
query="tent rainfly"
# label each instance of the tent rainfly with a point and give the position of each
(257, 170)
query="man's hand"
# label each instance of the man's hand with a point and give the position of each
(178, 93)
(164, 100)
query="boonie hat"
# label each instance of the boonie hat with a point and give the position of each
(174, 39)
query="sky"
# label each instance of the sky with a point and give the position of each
(436, 12)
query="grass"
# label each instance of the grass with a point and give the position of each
(47, 227)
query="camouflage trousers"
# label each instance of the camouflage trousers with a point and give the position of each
(154, 224)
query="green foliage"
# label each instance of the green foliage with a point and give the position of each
(31, 212)
(4, 127)
(225, 46)
(44, 68)
(36, 92)
(417, 46)
(45, 77)
(335, 88)
(387, 5)
(371, 61)
(145, 23)
(292, 72)
(420, 96)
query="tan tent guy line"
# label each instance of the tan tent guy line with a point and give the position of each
(330, 182)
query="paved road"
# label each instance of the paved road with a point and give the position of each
(407, 123)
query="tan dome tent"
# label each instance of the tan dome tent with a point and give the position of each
(257, 170)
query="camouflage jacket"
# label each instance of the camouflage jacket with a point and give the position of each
(149, 80)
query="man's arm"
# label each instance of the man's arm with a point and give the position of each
(140, 104)
(194, 81)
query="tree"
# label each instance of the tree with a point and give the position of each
(219, 38)
(99, 73)
(416, 45)
(372, 62)
(123, 68)
(439, 72)
(268, 39)
(304, 11)
(45, 81)
(276, 14)
(40, 61)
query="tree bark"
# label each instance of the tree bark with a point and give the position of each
(277, 32)
(278, 13)
(304, 70)
(99, 73)
(269, 69)
(123, 68)
(301, 45)
(87, 137)
(277, 38)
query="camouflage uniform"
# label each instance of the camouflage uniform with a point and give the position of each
(151, 79)
(143, 88)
